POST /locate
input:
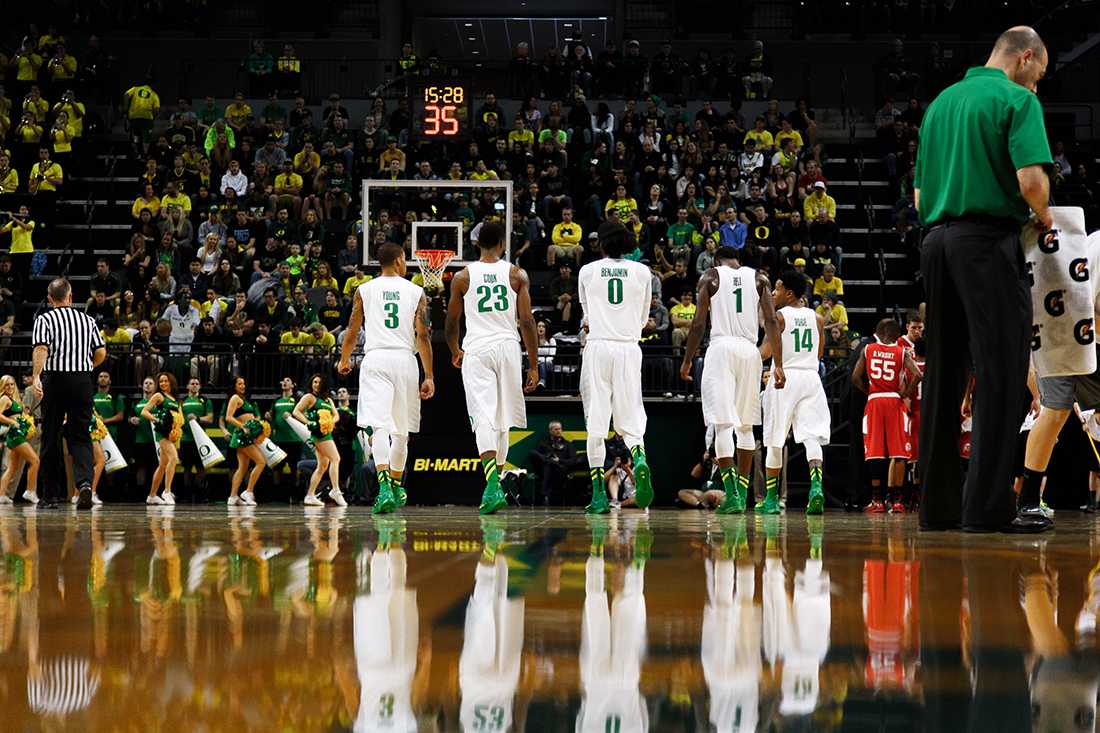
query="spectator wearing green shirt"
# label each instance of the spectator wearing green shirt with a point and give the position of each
(259, 66)
(982, 173)
(111, 408)
(680, 235)
(219, 128)
(144, 456)
(197, 408)
(282, 435)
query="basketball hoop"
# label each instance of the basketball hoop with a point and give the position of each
(432, 264)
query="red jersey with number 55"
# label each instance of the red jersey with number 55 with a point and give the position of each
(885, 365)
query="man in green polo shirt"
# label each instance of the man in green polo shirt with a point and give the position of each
(144, 457)
(981, 167)
(111, 408)
(282, 435)
(194, 407)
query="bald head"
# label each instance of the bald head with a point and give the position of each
(1021, 55)
(59, 291)
(1018, 39)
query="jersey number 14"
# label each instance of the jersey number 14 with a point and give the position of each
(803, 339)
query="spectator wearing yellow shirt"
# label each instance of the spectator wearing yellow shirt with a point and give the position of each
(62, 65)
(622, 203)
(323, 276)
(21, 228)
(75, 111)
(141, 106)
(36, 105)
(786, 132)
(114, 337)
(147, 200)
(391, 153)
(9, 177)
(819, 210)
(565, 239)
(61, 135)
(323, 341)
(521, 136)
(307, 162)
(481, 172)
(28, 131)
(759, 133)
(238, 112)
(682, 314)
(353, 282)
(45, 177)
(835, 315)
(828, 283)
(173, 198)
(294, 339)
(287, 190)
(27, 62)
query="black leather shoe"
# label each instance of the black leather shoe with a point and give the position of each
(84, 498)
(1029, 520)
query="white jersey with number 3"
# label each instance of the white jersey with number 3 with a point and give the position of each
(490, 306)
(735, 306)
(800, 338)
(615, 296)
(389, 312)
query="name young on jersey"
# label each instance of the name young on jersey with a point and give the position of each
(391, 295)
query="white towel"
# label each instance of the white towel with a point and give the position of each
(1062, 295)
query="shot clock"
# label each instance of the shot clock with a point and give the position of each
(441, 111)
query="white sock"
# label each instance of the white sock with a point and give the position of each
(723, 441)
(380, 447)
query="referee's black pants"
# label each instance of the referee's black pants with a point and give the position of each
(978, 310)
(66, 395)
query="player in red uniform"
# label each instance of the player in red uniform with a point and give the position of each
(914, 330)
(885, 421)
(912, 480)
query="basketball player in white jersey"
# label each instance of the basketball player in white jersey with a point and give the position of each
(615, 296)
(801, 403)
(494, 294)
(734, 296)
(395, 312)
(386, 631)
(492, 643)
(731, 638)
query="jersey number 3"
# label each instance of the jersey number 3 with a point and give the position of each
(391, 315)
(485, 293)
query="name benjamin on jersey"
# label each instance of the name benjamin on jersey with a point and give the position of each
(614, 272)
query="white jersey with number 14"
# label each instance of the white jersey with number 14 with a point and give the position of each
(800, 338)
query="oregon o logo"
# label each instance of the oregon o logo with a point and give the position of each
(1079, 269)
(1054, 304)
(1083, 333)
(1048, 241)
(204, 451)
(761, 232)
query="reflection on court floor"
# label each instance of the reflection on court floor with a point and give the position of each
(440, 620)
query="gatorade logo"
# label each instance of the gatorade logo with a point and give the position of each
(1048, 241)
(1079, 270)
(1054, 304)
(1083, 332)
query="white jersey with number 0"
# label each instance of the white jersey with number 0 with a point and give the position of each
(389, 312)
(800, 338)
(615, 296)
(490, 306)
(735, 306)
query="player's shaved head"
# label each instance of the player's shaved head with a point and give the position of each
(491, 235)
(614, 239)
(888, 330)
(389, 253)
(1018, 39)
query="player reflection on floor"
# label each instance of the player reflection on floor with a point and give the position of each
(613, 643)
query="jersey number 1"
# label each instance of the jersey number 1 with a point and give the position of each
(391, 315)
(737, 294)
(803, 340)
(615, 290)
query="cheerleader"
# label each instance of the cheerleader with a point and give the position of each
(96, 429)
(20, 430)
(163, 411)
(317, 412)
(246, 428)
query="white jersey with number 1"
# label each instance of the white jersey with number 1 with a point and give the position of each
(735, 306)
(732, 367)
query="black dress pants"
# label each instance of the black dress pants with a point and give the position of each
(66, 395)
(978, 312)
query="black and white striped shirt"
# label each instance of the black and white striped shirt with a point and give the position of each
(70, 335)
(64, 686)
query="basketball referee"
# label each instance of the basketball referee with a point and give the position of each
(982, 164)
(67, 347)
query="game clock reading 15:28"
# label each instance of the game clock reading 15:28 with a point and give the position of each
(444, 108)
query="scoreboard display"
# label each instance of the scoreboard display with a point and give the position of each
(441, 111)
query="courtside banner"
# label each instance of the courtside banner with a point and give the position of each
(1061, 274)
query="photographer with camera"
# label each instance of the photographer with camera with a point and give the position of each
(21, 228)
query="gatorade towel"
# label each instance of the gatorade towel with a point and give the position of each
(1060, 271)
